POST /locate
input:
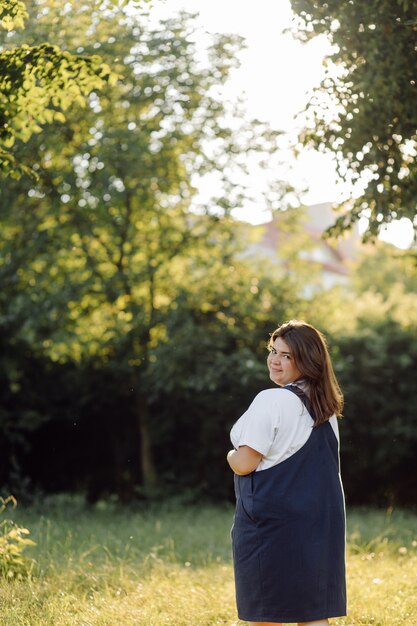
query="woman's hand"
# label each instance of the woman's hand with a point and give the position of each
(244, 460)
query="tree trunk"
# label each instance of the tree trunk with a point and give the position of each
(149, 477)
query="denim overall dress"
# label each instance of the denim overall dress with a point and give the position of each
(288, 535)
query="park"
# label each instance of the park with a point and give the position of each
(137, 303)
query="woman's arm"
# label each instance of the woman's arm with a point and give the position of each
(244, 460)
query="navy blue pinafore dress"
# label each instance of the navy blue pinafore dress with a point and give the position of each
(288, 535)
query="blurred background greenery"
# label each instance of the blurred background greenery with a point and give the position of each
(134, 319)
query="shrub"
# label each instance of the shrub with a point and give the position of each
(13, 541)
(376, 368)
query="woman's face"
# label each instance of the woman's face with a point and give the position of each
(281, 364)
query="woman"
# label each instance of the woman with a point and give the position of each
(288, 533)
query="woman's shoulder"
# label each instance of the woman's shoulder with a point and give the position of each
(282, 403)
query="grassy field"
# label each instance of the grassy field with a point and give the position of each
(171, 565)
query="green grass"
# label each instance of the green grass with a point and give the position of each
(171, 565)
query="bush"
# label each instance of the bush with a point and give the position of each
(13, 541)
(376, 367)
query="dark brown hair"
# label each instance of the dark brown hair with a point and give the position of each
(311, 356)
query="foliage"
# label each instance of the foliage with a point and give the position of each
(201, 376)
(384, 269)
(39, 82)
(120, 222)
(33, 392)
(376, 368)
(364, 109)
(13, 541)
(80, 432)
(96, 253)
(12, 14)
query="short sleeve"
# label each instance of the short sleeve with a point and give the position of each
(260, 424)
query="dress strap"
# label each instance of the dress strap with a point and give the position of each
(303, 397)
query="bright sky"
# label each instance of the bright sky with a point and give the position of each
(275, 76)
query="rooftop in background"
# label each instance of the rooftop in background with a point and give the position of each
(331, 259)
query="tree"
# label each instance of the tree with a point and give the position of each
(38, 83)
(386, 270)
(364, 109)
(109, 235)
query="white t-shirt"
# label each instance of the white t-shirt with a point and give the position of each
(277, 425)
